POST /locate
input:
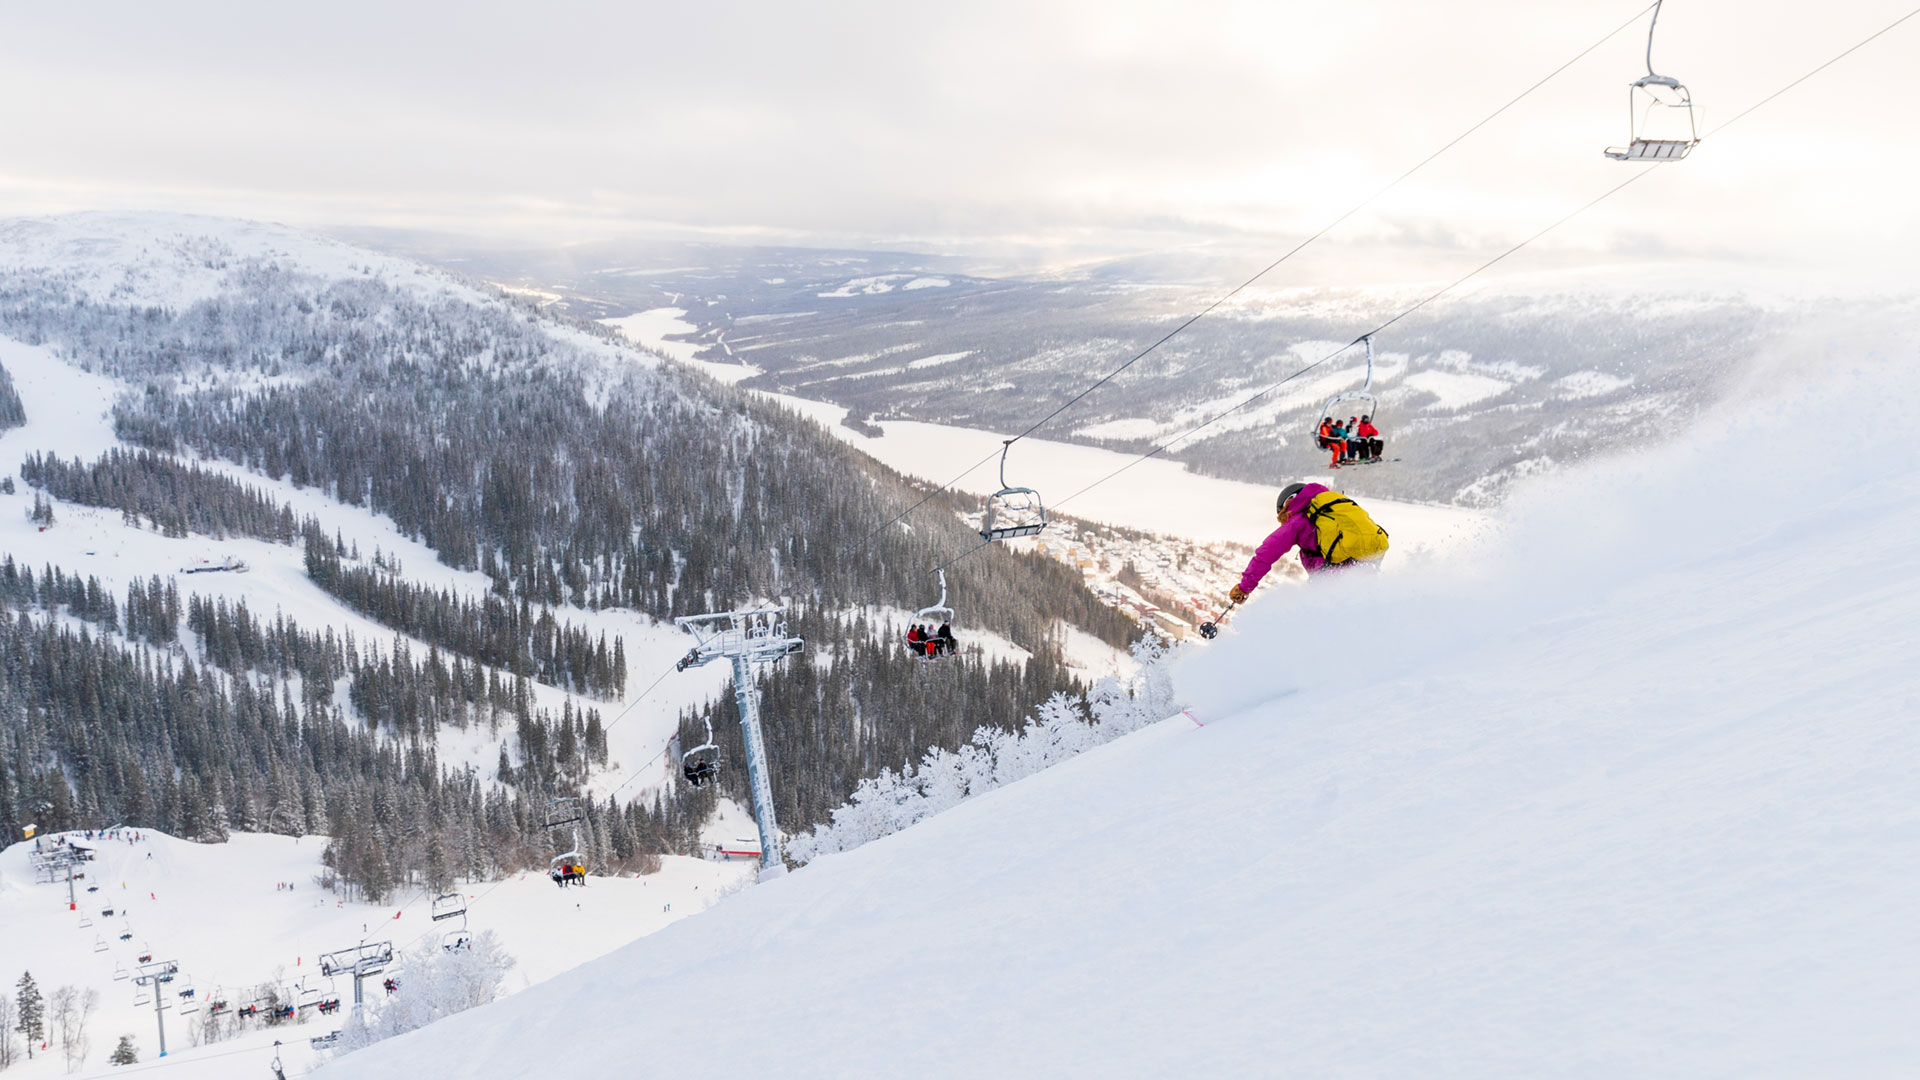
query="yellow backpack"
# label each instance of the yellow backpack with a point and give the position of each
(1346, 533)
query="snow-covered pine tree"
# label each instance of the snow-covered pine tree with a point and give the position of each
(30, 1012)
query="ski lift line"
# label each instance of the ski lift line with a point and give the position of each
(643, 696)
(1437, 294)
(904, 514)
(1842, 55)
(1336, 222)
(1270, 267)
(1609, 193)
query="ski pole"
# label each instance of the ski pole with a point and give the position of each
(1211, 630)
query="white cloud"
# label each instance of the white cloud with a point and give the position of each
(1075, 127)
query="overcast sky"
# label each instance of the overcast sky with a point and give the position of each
(1060, 130)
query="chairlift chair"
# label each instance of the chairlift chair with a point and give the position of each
(100, 943)
(448, 906)
(1361, 402)
(451, 905)
(1012, 511)
(85, 922)
(141, 995)
(189, 1000)
(563, 811)
(120, 972)
(1657, 92)
(930, 618)
(557, 867)
(701, 764)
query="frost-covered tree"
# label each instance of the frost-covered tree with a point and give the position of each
(6, 1031)
(439, 983)
(1060, 729)
(124, 1053)
(69, 1009)
(12, 413)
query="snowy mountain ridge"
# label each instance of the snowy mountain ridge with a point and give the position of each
(175, 260)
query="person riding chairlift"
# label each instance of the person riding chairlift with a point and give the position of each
(1336, 442)
(916, 639)
(1330, 441)
(943, 640)
(1370, 438)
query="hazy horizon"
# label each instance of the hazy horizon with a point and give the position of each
(1032, 136)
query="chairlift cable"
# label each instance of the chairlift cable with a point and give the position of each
(1336, 222)
(1269, 268)
(1610, 192)
(1850, 50)
(1430, 298)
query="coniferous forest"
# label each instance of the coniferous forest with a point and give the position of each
(572, 473)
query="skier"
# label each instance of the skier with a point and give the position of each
(1309, 514)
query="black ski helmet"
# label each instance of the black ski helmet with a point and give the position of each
(1286, 496)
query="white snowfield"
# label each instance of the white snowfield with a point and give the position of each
(1630, 793)
(219, 911)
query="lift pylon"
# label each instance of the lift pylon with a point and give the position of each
(747, 637)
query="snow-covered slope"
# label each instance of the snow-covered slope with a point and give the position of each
(1628, 793)
(221, 912)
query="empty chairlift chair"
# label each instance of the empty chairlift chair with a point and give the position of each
(1012, 511)
(563, 811)
(446, 908)
(1660, 121)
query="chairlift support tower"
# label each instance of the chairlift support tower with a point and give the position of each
(360, 961)
(747, 637)
(151, 975)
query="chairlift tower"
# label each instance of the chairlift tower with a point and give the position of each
(747, 637)
(360, 961)
(151, 975)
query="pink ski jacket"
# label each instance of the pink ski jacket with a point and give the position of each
(1297, 532)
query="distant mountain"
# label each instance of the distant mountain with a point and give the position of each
(466, 518)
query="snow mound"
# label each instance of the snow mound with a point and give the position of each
(1628, 794)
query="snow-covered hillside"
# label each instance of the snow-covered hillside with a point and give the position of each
(225, 914)
(1626, 792)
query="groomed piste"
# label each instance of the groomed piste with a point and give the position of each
(1626, 789)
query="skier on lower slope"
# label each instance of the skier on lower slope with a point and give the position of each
(1331, 531)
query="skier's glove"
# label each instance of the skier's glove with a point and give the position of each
(1238, 595)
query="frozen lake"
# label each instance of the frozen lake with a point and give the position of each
(1155, 496)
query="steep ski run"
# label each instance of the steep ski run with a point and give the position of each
(1627, 793)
